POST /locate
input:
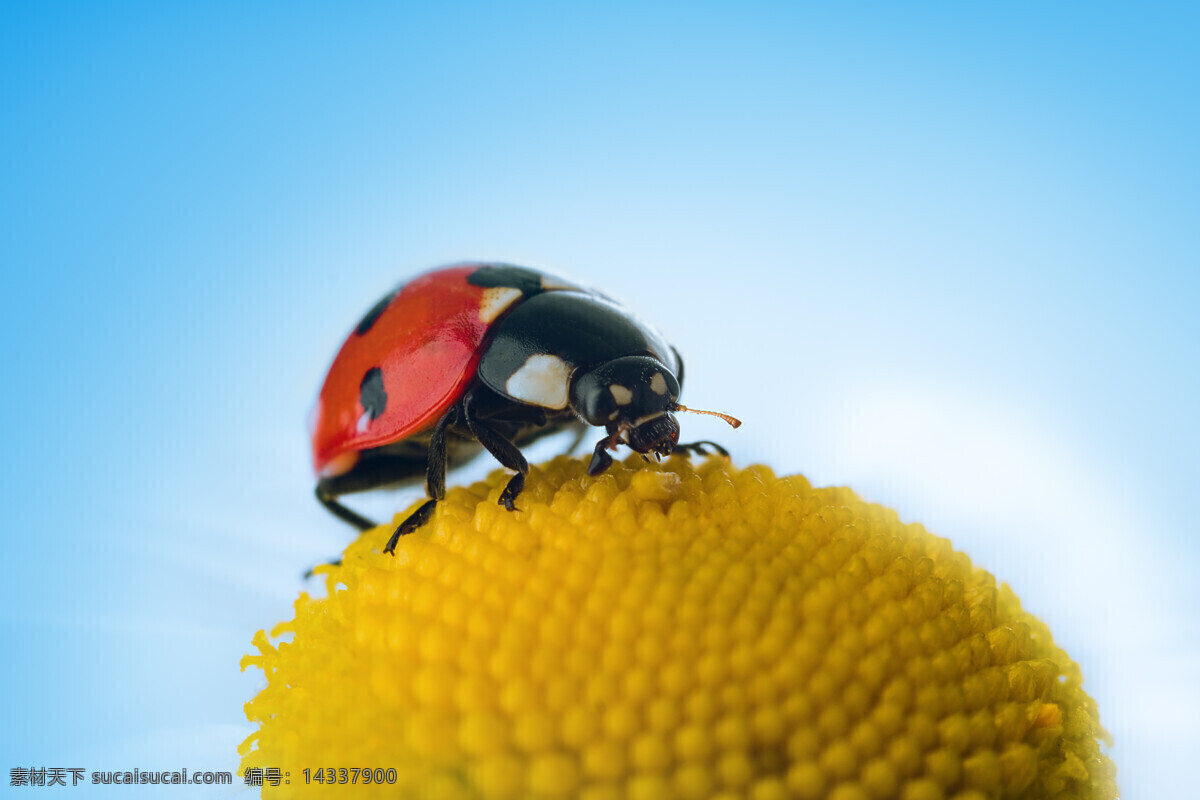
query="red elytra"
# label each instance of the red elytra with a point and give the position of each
(427, 343)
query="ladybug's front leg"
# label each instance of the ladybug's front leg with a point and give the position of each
(435, 479)
(501, 449)
(601, 460)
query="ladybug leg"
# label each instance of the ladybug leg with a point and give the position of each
(435, 479)
(373, 470)
(601, 460)
(340, 511)
(699, 448)
(501, 449)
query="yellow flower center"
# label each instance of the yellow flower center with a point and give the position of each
(670, 630)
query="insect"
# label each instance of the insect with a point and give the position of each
(491, 356)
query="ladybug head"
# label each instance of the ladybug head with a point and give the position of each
(633, 395)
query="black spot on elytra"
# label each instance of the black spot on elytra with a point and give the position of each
(371, 393)
(507, 275)
(366, 322)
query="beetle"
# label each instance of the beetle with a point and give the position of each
(491, 356)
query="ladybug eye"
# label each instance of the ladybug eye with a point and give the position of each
(593, 400)
(626, 388)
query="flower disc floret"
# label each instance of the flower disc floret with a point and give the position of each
(671, 630)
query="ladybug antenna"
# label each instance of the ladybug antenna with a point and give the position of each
(734, 422)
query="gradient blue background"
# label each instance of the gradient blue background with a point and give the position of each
(947, 257)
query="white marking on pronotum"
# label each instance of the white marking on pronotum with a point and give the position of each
(621, 394)
(543, 380)
(658, 384)
(495, 301)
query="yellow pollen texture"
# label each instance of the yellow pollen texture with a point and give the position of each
(675, 630)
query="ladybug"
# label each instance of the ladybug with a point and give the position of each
(491, 356)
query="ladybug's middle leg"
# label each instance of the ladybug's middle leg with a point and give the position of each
(435, 479)
(501, 449)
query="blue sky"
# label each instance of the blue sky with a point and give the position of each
(947, 256)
